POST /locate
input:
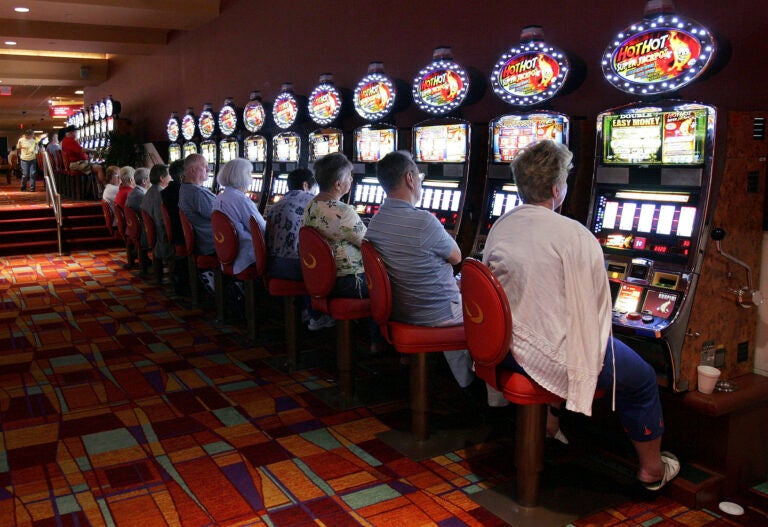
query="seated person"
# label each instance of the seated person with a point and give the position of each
(170, 197)
(196, 202)
(419, 255)
(339, 223)
(112, 186)
(284, 219)
(235, 176)
(78, 156)
(126, 185)
(151, 203)
(141, 178)
(553, 272)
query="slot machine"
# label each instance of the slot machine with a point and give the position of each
(206, 123)
(287, 152)
(173, 128)
(374, 99)
(441, 146)
(112, 109)
(680, 299)
(324, 107)
(526, 76)
(256, 147)
(229, 146)
(188, 129)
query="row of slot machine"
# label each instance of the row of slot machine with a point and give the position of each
(93, 125)
(654, 183)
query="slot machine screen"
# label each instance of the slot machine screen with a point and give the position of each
(256, 149)
(512, 133)
(286, 148)
(441, 143)
(373, 144)
(324, 143)
(660, 225)
(189, 149)
(500, 201)
(670, 137)
(438, 195)
(660, 303)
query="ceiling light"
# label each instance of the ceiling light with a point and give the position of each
(79, 92)
(10, 43)
(21, 9)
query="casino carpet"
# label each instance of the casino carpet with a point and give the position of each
(121, 405)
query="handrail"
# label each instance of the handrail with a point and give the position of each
(53, 198)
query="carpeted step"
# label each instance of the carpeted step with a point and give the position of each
(31, 247)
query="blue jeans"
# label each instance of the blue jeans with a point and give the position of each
(637, 393)
(28, 171)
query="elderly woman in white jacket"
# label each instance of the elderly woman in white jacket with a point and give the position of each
(552, 270)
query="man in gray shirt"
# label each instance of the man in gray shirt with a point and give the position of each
(419, 255)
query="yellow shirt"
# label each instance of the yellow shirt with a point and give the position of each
(27, 149)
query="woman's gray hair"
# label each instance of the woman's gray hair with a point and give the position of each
(235, 174)
(328, 169)
(126, 175)
(538, 167)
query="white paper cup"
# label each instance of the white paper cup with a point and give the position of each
(707, 378)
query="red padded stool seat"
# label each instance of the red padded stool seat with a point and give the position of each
(408, 338)
(202, 262)
(318, 266)
(133, 236)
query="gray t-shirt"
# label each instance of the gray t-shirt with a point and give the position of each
(415, 247)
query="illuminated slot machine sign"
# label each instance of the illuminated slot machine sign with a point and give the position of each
(173, 129)
(229, 147)
(371, 143)
(442, 189)
(207, 125)
(188, 128)
(373, 99)
(255, 145)
(324, 106)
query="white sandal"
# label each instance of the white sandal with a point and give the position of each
(671, 469)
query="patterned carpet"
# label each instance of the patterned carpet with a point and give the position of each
(123, 406)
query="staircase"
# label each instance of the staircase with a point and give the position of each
(32, 230)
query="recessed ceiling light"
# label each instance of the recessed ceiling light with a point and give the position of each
(10, 43)
(21, 9)
(79, 92)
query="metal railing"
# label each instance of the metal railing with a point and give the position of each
(52, 196)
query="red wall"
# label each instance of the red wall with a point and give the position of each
(259, 45)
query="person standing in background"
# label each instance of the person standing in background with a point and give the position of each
(53, 143)
(27, 147)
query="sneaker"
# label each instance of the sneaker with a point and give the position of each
(321, 322)
(671, 469)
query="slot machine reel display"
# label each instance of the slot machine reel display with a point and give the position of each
(173, 129)
(527, 75)
(373, 99)
(286, 145)
(188, 129)
(206, 123)
(255, 147)
(441, 145)
(324, 107)
(656, 196)
(229, 146)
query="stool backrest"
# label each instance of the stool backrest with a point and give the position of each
(189, 233)
(259, 247)
(318, 264)
(109, 216)
(120, 217)
(379, 286)
(132, 225)
(225, 240)
(487, 316)
(167, 223)
(149, 228)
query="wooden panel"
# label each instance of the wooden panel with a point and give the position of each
(716, 317)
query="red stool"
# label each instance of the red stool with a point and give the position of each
(488, 325)
(319, 269)
(408, 338)
(133, 235)
(201, 262)
(227, 248)
(109, 219)
(78, 180)
(290, 290)
(150, 229)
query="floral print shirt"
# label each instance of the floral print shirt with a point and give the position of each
(284, 219)
(343, 228)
